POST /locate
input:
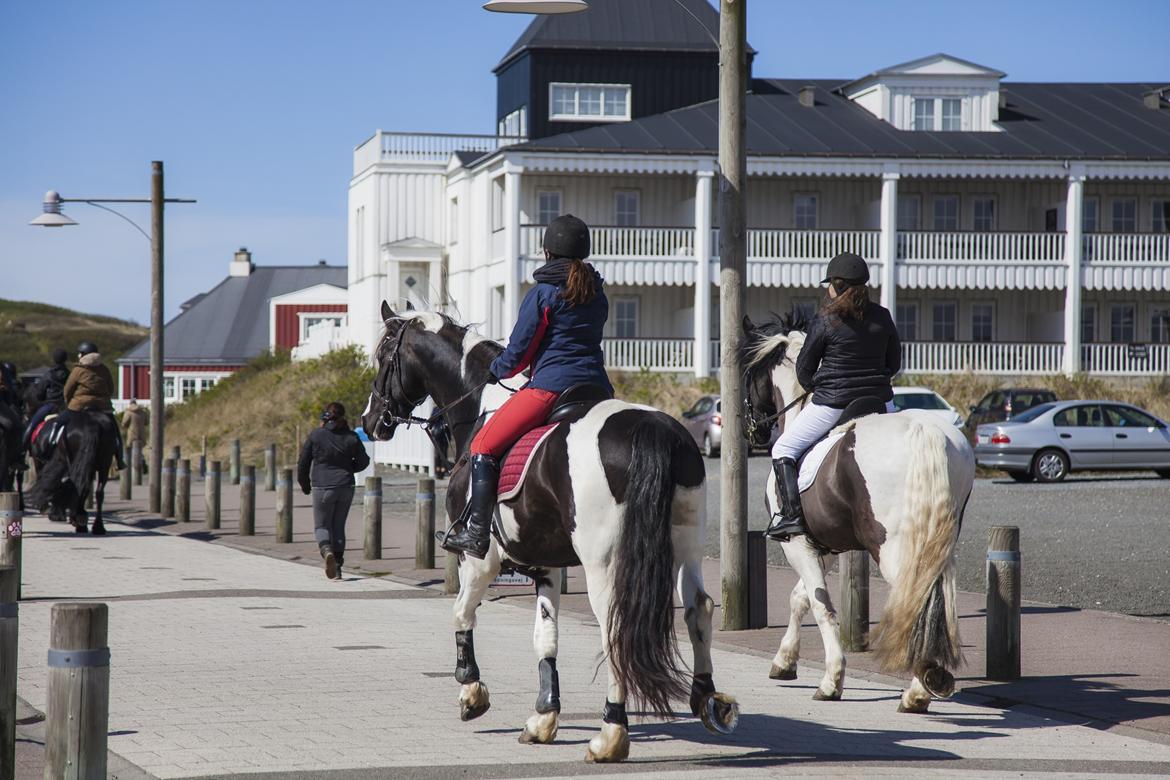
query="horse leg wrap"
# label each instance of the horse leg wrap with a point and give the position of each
(549, 697)
(466, 670)
(702, 686)
(615, 713)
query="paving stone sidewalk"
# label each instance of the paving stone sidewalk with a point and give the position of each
(226, 663)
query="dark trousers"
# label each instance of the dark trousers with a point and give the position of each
(330, 509)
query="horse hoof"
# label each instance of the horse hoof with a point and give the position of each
(473, 701)
(720, 713)
(80, 529)
(777, 673)
(541, 729)
(610, 746)
(820, 695)
(468, 712)
(939, 683)
(919, 710)
(99, 530)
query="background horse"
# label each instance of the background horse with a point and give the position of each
(11, 431)
(895, 485)
(620, 491)
(84, 453)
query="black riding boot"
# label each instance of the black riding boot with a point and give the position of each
(474, 537)
(789, 521)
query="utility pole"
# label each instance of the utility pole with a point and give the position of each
(732, 270)
(157, 408)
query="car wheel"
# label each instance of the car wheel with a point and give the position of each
(1050, 466)
(1021, 476)
(709, 449)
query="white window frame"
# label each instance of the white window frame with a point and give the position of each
(577, 116)
(514, 124)
(816, 210)
(1152, 312)
(990, 304)
(975, 201)
(934, 320)
(904, 200)
(542, 213)
(618, 303)
(183, 380)
(1114, 307)
(934, 213)
(914, 103)
(936, 113)
(305, 321)
(1091, 309)
(914, 320)
(169, 386)
(1113, 214)
(941, 102)
(637, 199)
(1095, 202)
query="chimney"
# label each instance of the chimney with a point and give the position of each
(1153, 99)
(807, 96)
(241, 264)
(1003, 98)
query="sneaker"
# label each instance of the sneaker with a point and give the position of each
(330, 566)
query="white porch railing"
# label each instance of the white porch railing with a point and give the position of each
(410, 449)
(622, 243)
(1124, 360)
(956, 357)
(1127, 248)
(928, 246)
(438, 147)
(807, 244)
(649, 354)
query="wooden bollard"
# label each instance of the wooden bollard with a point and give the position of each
(183, 492)
(168, 488)
(211, 495)
(125, 482)
(234, 462)
(9, 636)
(248, 501)
(424, 539)
(1003, 603)
(564, 579)
(77, 715)
(12, 534)
(854, 612)
(757, 561)
(284, 506)
(372, 517)
(202, 466)
(136, 462)
(176, 453)
(270, 468)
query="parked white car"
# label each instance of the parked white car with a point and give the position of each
(926, 399)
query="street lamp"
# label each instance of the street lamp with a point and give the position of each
(536, 6)
(52, 217)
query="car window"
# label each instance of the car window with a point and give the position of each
(1087, 416)
(1123, 416)
(705, 405)
(995, 401)
(918, 401)
(719, 405)
(1022, 401)
(985, 404)
(1033, 413)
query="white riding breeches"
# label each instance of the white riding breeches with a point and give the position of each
(809, 427)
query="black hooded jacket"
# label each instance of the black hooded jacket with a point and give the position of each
(331, 456)
(846, 359)
(51, 385)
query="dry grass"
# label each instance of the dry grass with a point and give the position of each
(672, 393)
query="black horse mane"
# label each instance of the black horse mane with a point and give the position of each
(762, 343)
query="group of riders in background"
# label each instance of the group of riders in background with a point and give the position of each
(63, 422)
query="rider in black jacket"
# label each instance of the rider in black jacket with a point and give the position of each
(49, 392)
(850, 352)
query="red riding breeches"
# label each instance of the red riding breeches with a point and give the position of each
(525, 410)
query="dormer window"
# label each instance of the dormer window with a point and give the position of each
(589, 102)
(938, 114)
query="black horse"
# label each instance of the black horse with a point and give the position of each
(84, 453)
(11, 430)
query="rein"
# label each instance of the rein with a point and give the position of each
(752, 426)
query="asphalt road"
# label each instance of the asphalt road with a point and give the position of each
(1089, 542)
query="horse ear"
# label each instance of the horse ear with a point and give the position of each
(409, 306)
(748, 325)
(387, 312)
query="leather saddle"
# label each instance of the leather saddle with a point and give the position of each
(575, 402)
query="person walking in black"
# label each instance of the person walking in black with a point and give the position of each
(330, 457)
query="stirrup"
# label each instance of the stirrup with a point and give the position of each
(783, 530)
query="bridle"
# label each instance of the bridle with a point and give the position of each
(751, 423)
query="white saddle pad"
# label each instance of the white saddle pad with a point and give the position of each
(815, 457)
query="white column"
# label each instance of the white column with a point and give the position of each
(512, 244)
(1073, 246)
(702, 350)
(889, 241)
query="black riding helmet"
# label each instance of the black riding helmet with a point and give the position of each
(86, 347)
(849, 267)
(60, 355)
(567, 236)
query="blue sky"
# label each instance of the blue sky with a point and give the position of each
(256, 105)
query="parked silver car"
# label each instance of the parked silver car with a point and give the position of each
(1048, 441)
(704, 421)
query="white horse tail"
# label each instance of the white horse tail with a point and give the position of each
(920, 625)
(643, 647)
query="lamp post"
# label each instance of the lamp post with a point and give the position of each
(52, 217)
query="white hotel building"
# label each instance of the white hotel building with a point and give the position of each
(1014, 228)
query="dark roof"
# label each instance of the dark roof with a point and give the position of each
(608, 25)
(229, 324)
(467, 159)
(1048, 121)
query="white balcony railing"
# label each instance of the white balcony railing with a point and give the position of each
(649, 354)
(807, 244)
(1143, 248)
(424, 147)
(956, 357)
(931, 247)
(1125, 360)
(623, 243)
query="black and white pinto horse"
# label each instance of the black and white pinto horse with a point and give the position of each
(82, 455)
(619, 490)
(895, 485)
